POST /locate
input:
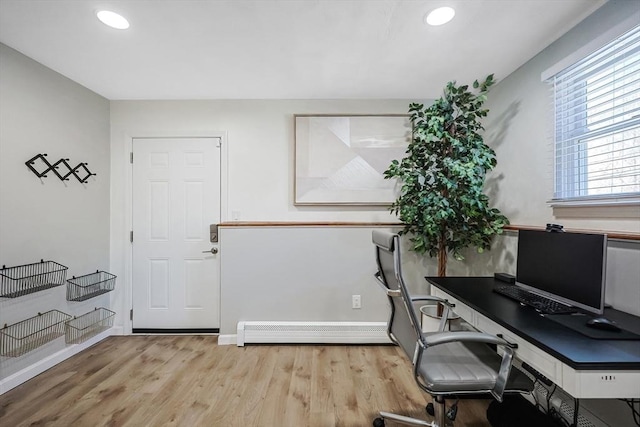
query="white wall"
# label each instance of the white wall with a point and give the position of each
(259, 167)
(44, 112)
(298, 273)
(520, 128)
(260, 149)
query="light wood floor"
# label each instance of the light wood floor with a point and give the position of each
(191, 381)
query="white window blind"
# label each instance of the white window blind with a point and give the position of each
(597, 123)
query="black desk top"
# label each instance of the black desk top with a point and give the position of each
(572, 348)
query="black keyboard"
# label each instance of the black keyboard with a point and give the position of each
(540, 303)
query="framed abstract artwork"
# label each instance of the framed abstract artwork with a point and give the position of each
(341, 159)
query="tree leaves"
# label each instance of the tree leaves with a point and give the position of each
(443, 174)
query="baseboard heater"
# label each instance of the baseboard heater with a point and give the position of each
(312, 332)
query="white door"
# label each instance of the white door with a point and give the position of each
(176, 196)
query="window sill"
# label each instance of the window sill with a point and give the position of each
(631, 200)
(609, 207)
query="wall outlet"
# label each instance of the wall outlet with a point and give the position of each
(356, 301)
(235, 215)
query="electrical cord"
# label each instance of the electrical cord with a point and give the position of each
(535, 397)
(555, 415)
(549, 394)
(552, 411)
(635, 412)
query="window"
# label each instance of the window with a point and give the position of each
(597, 124)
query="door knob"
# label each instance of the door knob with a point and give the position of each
(213, 251)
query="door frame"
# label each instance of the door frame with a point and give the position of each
(127, 303)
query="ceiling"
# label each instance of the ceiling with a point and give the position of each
(277, 49)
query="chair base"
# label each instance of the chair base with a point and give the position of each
(401, 419)
(439, 412)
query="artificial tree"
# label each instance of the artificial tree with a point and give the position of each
(441, 201)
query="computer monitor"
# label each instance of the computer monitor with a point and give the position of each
(567, 267)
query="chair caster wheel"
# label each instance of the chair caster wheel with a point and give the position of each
(452, 412)
(378, 422)
(430, 409)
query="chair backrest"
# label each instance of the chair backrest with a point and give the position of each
(403, 327)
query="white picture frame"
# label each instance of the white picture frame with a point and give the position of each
(340, 159)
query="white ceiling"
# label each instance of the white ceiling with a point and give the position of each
(276, 49)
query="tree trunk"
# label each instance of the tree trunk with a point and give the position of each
(442, 266)
(442, 258)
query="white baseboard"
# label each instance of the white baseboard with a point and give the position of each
(42, 365)
(227, 339)
(312, 332)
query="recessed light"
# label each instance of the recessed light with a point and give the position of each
(113, 20)
(440, 16)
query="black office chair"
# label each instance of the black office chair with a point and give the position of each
(445, 364)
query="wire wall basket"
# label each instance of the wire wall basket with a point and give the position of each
(81, 328)
(29, 334)
(29, 278)
(90, 285)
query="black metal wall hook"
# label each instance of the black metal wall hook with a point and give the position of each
(86, 170)
(43, 159)
(81, 171)
(69, 171)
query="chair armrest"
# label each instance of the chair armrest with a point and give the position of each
(503, 373)
(466, 336)
(383, 285)
(431, 298)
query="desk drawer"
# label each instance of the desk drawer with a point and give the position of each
(601, 384)
(460, 309)
(547, 365)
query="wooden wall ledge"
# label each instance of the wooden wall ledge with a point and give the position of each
(308, 224)
(611, 234)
